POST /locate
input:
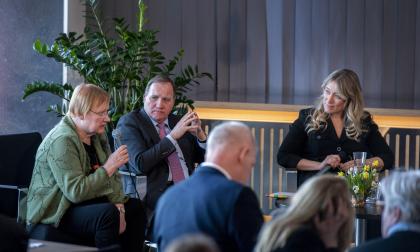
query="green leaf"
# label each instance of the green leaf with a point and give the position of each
(50, 87)
(57, 109)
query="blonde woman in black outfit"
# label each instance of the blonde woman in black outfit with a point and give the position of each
(320, 218)
(329, 133)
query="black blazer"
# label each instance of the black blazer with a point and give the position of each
(148, 153)
(298, 144)
(399, 241)
(211, 204)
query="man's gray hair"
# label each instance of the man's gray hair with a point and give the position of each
(402, 190)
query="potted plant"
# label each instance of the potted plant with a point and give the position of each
(122, 65)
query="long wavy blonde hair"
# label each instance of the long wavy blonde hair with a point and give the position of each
(349, 89)
(311, 199)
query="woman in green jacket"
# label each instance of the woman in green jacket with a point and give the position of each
(75, 183)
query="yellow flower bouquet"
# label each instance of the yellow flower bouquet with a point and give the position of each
(361, 182)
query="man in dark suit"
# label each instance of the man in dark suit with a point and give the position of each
(161, 146)
(215, 200)
(401, 216)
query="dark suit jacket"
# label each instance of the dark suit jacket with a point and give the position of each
(209, 203)
(298, 144)
(399, 241)
(148, 153)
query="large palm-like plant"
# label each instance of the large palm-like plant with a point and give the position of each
(122, 65)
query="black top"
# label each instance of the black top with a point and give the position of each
(316, 145)
(94, 164)
(304, 239)
(93, 157)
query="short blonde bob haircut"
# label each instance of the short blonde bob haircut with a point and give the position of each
(85, 97)
(310, 200)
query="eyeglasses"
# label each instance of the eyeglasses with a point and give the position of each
(101, 114)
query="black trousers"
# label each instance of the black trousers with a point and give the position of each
(101, 221)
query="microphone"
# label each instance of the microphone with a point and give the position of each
(117, 135)
(326, 169)
(329, 168)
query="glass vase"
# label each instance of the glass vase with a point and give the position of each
(359, 200)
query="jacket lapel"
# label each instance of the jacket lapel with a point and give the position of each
(143, 117)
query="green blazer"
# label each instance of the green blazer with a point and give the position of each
(61, 175)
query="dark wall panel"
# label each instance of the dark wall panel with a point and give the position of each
(22, 22)
(303, 42)
(319, 59)
(279, 51)
(256, 52)
(406, 34)
(389, 52)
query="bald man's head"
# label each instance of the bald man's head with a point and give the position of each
(231, 145)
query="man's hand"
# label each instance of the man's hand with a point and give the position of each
(184, 125)
(199, 132)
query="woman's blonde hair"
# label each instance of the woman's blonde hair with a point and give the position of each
(349, 89)
(86, 96)
(310, 200)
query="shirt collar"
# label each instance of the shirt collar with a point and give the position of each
(404, 226)
(217, 167)
(156, 123)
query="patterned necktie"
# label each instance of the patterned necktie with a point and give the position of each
(173, 159)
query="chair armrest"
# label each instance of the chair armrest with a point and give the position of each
(9, 187)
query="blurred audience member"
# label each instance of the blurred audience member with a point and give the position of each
(215, 200)
(401, 216)
(75, 185)
(320, 218)
(193, 243)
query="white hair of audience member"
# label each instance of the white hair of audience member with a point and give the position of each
(193, 243)
(402, 190)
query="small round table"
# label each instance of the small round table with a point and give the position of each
(363, 214)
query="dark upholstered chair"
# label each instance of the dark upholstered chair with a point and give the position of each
(17, 158)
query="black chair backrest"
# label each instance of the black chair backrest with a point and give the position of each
(17, 158)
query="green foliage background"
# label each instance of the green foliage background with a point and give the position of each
(122, 65)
